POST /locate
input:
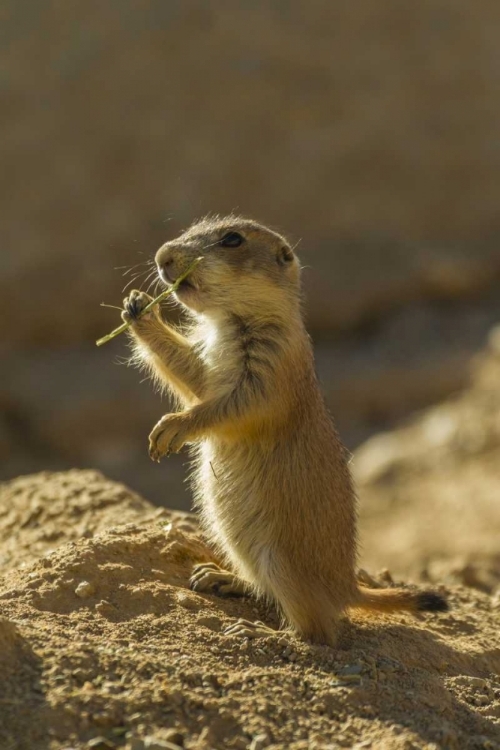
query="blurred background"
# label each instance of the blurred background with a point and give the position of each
(367, 132)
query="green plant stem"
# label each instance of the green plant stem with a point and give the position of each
(157, 300)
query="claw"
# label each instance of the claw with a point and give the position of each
(247, 629)
(211, 579)
(134, 304)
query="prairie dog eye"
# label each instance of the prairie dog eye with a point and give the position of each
(231, 239)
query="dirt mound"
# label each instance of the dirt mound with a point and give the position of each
(39, 512)
(104, 645)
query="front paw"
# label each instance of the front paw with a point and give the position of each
(167, 437)
(133, 307)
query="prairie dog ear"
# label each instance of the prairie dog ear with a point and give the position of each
(285, 255)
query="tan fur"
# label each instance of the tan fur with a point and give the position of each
(387, 600)
(271, 478)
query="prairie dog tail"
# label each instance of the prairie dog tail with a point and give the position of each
(395, 600)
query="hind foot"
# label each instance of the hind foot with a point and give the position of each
(248, 629)
(208, 578)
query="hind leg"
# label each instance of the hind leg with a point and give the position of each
(308, 607)
(210, 579)
(308, 612)
(316, 626)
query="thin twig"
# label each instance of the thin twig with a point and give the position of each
(162, 296)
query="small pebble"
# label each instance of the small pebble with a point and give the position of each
(105, 609)
(85, 589)
(189, 600)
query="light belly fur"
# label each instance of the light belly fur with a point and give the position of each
(227, 503)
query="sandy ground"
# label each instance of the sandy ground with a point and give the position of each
(103, 645)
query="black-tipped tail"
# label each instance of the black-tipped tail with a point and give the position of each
(399, 600)
(430, 601)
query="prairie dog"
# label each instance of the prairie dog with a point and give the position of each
(271, 477)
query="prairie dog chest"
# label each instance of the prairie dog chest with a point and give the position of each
(220, 351)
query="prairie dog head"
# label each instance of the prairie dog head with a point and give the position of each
(245, 267)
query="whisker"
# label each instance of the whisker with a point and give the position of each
(145, 280)
(113, 307)
(138, 275)
(128, 285)
(150, 274)
(153, 281)
(132, 268)
(212, 244)
(129, 268)
(131, 281)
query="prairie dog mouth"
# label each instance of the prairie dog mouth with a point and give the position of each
(168, 279)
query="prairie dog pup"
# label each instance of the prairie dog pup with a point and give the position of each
(271, 478)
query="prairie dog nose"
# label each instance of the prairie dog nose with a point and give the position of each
(163, 255)
(166, 271)
(164, 261)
